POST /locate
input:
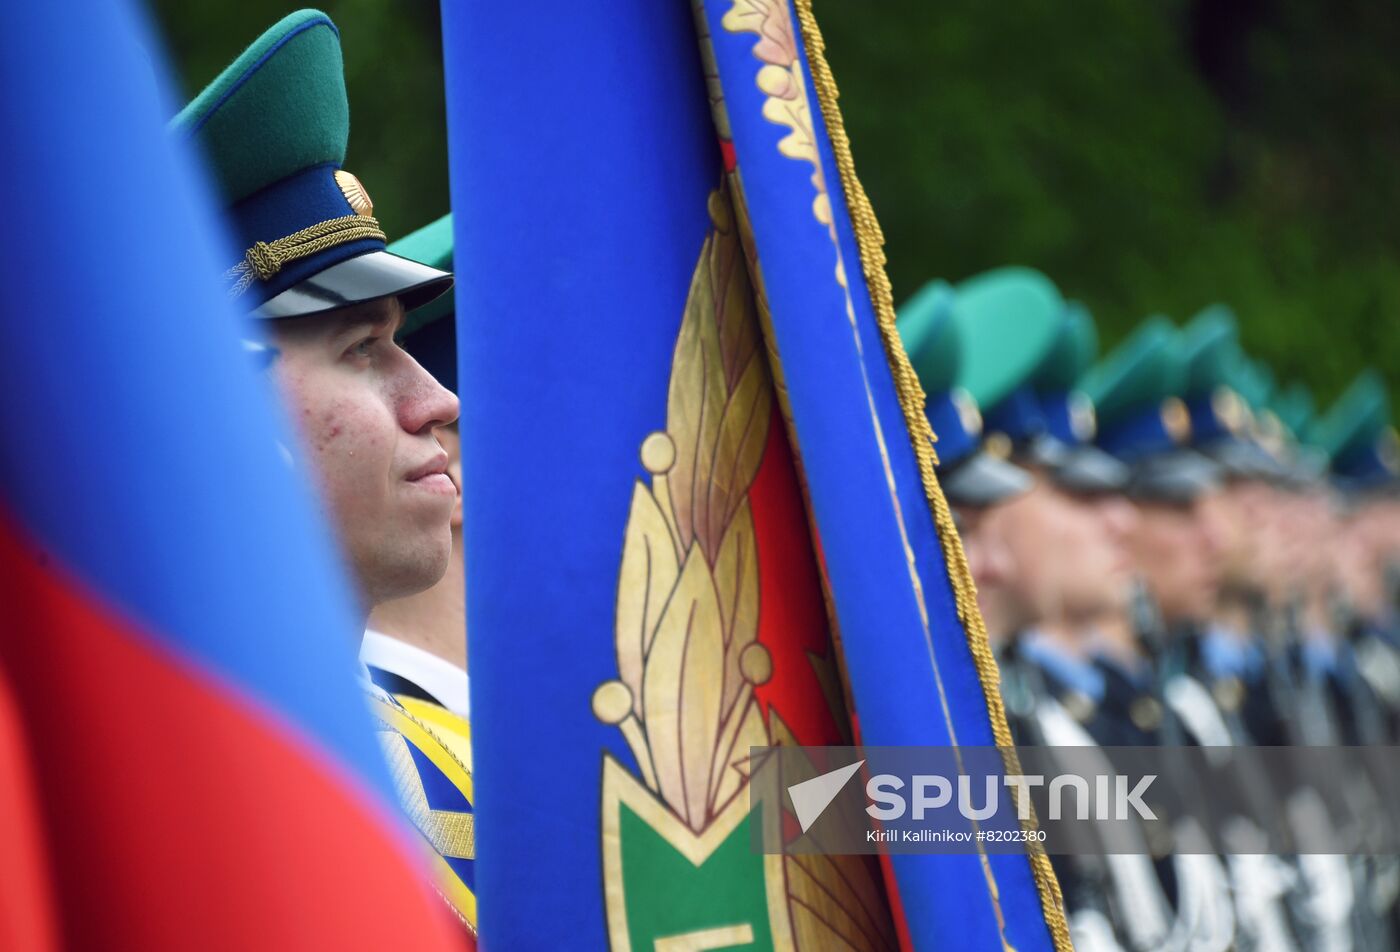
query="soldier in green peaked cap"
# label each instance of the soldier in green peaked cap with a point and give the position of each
(313, 263)
(1254, 523)
(1364, 457)
(314, 267)
(1012, 324)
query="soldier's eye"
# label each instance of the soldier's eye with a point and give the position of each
(365, 347)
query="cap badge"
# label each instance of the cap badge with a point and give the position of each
(354, 193)
(1176, 420)
(968, 415)
(1388, 449)
(1229, 409)
(997, 444)
(1083, 422)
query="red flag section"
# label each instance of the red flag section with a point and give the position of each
(26, 910)
(171, 813)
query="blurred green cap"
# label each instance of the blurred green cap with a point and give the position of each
(430, 245)
(1210, 349)
(1007, 321)
(1075, 346)
(1142, 371)
(930, 336)
(1357, 419)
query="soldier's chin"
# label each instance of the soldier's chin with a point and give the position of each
(1119, 596)
(1200, 612)
(1118, 576)
(412, 569)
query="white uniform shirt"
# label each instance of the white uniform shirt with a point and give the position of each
(442, 679)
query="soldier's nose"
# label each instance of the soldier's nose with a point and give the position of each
(1120, 518)
(426, 404)
(1212, 533)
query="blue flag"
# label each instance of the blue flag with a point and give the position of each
(700, 506)
(177, 651)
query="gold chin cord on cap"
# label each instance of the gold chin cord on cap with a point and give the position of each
(266, 258)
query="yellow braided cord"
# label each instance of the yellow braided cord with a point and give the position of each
(871, 242)
(266, 258)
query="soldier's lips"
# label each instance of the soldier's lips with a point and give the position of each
(431, 477)
(438, 484)
(1121, 568)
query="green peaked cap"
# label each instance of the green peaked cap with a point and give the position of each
(273, 129)
(430, 245)
(1253, 380)
(1295, 407)
(1075, 346)
(1357, 418)
(1143, 370)
(930, 336)
(266, 117)
(1210, 349)
(1007, 322)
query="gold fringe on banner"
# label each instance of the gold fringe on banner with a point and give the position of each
(871, 242)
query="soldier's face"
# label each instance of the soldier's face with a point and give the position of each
(366, 411)
(1306, 530)
(1118, 522)
(1243, 518)
(1387, 529)
(990, 564)
(1358, 573)
(1068, 555)
(1177, 550)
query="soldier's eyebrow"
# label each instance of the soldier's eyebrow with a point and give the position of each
(385, 321)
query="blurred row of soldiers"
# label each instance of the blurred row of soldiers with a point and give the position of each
(1170, 549)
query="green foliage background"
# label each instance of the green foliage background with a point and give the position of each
(1150, 157)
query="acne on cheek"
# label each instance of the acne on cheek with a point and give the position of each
(328, 431)
(345, 428)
